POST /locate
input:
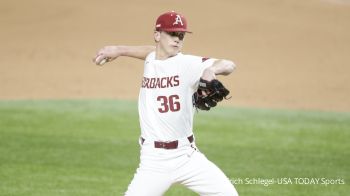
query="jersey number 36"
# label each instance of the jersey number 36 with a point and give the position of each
(169, 103)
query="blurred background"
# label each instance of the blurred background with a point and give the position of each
(289, 54)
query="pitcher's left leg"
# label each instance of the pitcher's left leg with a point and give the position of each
(204, 177)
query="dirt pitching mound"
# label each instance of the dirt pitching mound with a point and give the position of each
(289, 54)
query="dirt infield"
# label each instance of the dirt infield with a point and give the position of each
(290, 54)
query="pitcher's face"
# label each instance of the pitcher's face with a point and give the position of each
(170, 42)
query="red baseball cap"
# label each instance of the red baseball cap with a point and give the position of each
(172, 21)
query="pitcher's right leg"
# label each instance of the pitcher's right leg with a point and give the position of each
(148, 183)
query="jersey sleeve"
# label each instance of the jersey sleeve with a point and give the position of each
(150, 56)
(196, 68)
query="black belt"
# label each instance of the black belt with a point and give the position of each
(168, 145)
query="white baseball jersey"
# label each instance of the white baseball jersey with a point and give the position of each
(165, 100)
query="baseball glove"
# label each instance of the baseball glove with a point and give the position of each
(209, 93)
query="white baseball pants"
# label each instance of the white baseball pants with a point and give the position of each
(160, 168)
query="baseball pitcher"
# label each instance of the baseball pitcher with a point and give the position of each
(174, 86)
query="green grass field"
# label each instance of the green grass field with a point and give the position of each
(90, 148)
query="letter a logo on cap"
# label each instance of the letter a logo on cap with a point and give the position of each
(178, 20)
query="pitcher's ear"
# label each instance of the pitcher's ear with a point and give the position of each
(156, 36)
